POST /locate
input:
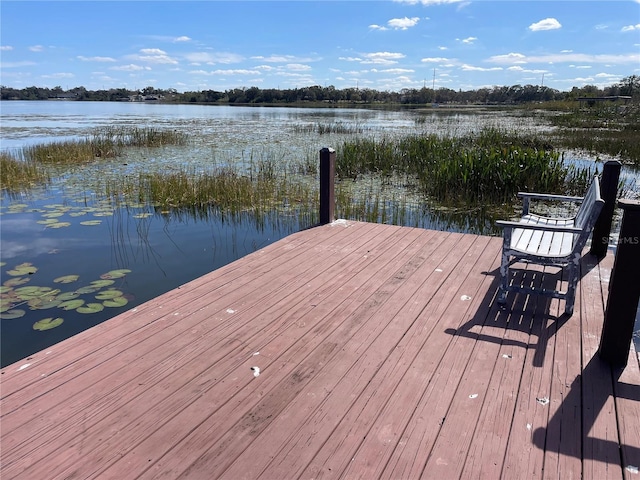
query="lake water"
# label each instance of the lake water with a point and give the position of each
(96, 247)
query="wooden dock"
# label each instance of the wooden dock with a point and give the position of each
(381, 354)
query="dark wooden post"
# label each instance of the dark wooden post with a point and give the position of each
(609, 192)
(624, 289)
(327, 176)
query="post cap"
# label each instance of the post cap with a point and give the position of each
(629, 204)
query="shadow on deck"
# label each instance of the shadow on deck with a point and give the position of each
(382, 353)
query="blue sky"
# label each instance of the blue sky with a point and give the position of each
(383, 45)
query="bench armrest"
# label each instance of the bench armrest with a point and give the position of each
(506, 224)
(526, 197)
(548, 196)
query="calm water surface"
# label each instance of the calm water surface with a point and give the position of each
(164, 250)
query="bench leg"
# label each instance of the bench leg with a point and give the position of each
(504, 278)
(573, 271)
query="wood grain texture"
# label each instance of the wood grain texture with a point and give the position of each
(382, 354)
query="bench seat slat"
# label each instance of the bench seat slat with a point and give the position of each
(550, 240)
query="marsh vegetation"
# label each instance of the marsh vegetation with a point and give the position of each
(171, 200)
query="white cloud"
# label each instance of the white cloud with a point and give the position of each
(435, 60)
(153, 51)
(23, 63)
(5, 48)
(428, 2)
(395, 71)
(469, 40)
(239, 71)
(403, 23)
(213, 58)
(471, 68)
(382, 58)
(631, 28)
(514, 58)
(373, 26)
(183, 38)
(546, 24)
(129, 68)
(152, 55)
(36, 48)
(95, 59)
(284, 59)
(59, 75)
(508, 58)
(297, 67)
(519, 69)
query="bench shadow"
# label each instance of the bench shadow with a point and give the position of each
(534, 315)
(539, 317)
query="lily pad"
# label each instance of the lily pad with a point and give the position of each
(7, 303)
(27, 293)
(102, 283)
(116, 302)
(11, 314)
(108, 294)
(72, 304)
(115, 273)
(47, 323)
(22, 269)
(91, 308)
(43, 303)
(66, 279)
(53, 214)
(59, 225)
(87, 289)
(142, 215)
(91, 222)
(48, 221)
(14, 282)
(63, 297)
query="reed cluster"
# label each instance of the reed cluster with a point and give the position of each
(17, 175)
(106, 142)
(225, 190)
(605, 129)
(327, 128)
(488, 167)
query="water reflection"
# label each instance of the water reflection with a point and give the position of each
(165, 249)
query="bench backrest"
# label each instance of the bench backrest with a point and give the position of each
(588, 213)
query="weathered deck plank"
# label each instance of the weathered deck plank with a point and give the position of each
(382, 353)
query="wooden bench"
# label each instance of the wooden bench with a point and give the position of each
(554, 241)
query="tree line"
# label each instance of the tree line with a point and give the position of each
(497, 95)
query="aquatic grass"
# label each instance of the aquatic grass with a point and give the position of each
(20, 174)
(69, 152)
(328, 128)
(227, 190)
(105, 142)
(607, 130)
(127, 136)
(487, 167)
